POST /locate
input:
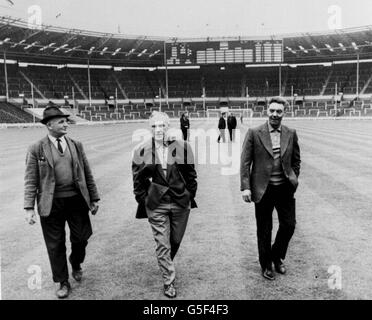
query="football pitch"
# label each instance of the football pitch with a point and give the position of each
(329, 256)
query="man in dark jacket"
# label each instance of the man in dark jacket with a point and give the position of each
(270, 166)
(231, 126)
(59, 179)
(164, 183)
(222, 127)
(185, 126)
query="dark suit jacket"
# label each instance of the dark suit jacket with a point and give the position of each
(185, 123)
(39, 175)
(222, 123)
(257, 159)
(231, 122)
(149, 182)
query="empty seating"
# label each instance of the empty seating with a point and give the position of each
(10, 113)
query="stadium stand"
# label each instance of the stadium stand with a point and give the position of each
(12, 114)
(128, 79)
(56, 83)
(305, 82)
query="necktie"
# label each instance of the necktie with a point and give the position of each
(59, 145)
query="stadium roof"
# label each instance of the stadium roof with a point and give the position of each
(341, 44)
(54, 45)
(50, 44)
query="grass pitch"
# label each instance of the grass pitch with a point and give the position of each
(218, 256)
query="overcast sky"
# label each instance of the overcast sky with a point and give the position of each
(197, 18)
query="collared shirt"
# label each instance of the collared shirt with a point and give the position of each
(54, 141)
(275, 136)
(277, 175)
(162, 153)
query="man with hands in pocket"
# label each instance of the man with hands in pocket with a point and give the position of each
(269, 170)
(164, 184)
(59, 179)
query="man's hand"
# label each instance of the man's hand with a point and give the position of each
(247, 195)
(94, 207)
(30, 216)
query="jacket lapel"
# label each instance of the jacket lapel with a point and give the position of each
(161, 172)
(47, 151)
(74, 157)
(72, 148)
(265, 138)
(284, 140)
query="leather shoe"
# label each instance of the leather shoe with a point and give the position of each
(64, 290)
(268, 274)
(77, 272)
(170, 290)
(280, 267)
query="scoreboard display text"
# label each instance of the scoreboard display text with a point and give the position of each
(222, 52)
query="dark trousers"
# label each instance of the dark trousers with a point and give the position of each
(185, 134)
(75, 211)
(232, 134)
(281, 198)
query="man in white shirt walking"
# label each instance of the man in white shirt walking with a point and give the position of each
(164, 183)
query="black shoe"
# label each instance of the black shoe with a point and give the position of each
(268, 274)
(280, 267)
(64, 290)
(170, 290)
(77, 272)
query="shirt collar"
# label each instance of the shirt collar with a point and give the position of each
(164, 144)
(271, 129)
(54, 140)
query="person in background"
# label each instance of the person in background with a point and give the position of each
(231, 125)
(222, 125)
(185, 126)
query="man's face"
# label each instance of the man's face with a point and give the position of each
(159, 130)
(57, 126)
(275, 113)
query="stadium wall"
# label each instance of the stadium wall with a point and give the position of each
(83, 102)
(175, 122)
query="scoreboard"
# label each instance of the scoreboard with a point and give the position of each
(223, 52)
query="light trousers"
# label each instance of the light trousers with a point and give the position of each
(168, 223)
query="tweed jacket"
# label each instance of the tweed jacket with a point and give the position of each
(39, 182)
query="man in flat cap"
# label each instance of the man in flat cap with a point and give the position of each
(59, 179)
(164, 184)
